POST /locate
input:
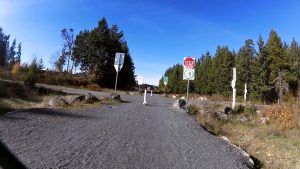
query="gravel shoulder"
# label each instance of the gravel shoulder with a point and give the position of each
(126, 135)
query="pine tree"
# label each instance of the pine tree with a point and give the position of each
(203, 81)
(223, 64)
(263, 60)
(12, 53)
(295, 58)
(4, 40)
(246, 59)
(279, 60)
(80, 51)
(19, 53)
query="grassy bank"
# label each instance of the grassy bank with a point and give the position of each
(271, 134)
(15, 96)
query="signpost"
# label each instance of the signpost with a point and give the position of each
(189, 65)
(119, 61)
(233, 87)
(165, 79)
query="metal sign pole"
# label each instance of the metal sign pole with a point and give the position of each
(117, 79)
(119, 65)
(187, 93)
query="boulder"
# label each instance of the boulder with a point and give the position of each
(90, 98)
(75, 99)
(179, 103)
(115, 96)
(57, 101)
(227, 110)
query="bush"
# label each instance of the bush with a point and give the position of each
(238, 109)
(192, 110)
(250, 110)
(34, 73)
(282, 113)
(94, 87)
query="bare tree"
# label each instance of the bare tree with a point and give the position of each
(68, 44)
(281, 86)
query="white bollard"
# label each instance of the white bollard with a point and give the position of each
(233, 88)
(151, 92)
(145, 94)
(245, 93)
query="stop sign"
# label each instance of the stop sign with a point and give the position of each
(189, 63)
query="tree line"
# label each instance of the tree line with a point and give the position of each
(10, 54)
(265, 68)
(93, 51)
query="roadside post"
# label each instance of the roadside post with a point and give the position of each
(140, 82)
(151, 92)
(233, 87)
(245, 93)
(165, 79)
(119, 61)
(189, 65)
(145, 97)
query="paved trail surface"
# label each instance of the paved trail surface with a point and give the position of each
(127, 135)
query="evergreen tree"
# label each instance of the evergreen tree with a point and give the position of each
(4, 40)
(223, 64)
(245, 58)
(279, 59)
(80, 51)
(12, 54)
(96, 49)
(203, 79)
(294, 53)
(19, 53)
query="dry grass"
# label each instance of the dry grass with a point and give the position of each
(275, 143)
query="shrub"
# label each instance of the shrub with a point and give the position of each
(282, 113)
(192, 110)
(93, 86)
(250, 110)
(34, 73)
(15, 69)
(238, 109)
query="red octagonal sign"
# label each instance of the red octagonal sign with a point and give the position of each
(189, 63)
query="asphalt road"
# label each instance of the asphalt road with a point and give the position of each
(127, 135)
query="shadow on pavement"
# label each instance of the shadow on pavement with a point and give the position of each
(44, 112)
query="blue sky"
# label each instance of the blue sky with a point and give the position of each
(159, 33)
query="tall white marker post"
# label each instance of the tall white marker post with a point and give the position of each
(140, 82)
(245, 93)
(145, 95)
(189, 64)
(119, 61)
(233, 88)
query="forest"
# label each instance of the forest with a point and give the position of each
(84, 60)
(271, 70)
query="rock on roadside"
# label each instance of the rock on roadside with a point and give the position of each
(57, 101)
(115, 96)
(75, 99)
(179, 103)
(91, 98)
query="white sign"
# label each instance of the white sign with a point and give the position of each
(140, 80)
(119, 61)
(189, 65)
(165, 79)
(188, 74)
